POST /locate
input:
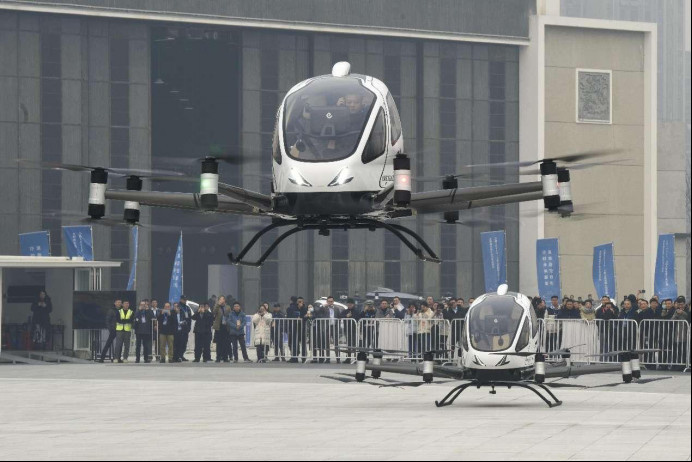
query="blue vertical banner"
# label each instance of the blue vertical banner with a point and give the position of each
(176, 288)
(548, 268)
(132, 281)
(78, 240)
(604, 271)
(664, 278)
(494, 259)
(35, 244)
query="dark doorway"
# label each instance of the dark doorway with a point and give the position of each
(195, 111)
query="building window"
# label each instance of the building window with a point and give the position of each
(448, 269)
(269, 277)
(594, 96)
(51, 135)
(339, 244)
(392, 265)
(392, 275)
(339, 278)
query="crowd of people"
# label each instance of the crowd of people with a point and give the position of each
(313, 331)
(634, 307)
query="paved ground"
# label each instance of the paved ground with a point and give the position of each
(211, 411)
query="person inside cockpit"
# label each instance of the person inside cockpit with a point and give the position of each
(494, 323)
(325, 119)
(356, 109)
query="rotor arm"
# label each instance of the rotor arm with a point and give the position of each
(255, 199)
(190, 201)
(475, 197)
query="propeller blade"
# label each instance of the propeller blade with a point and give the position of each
(637, 352)
(144, 173)
(346, 380)
(567, 159)
(564, 385)
(583, 166)
(653, 379)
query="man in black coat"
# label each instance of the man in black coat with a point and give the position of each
(455, 315)
(350, 331)
(279, 327)
(111, 319)
(204, 321)
(296, 313)
(182, 330)
(40, 317)
(143, 330)
(187, 326)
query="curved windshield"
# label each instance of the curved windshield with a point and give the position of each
(324, 120)
(494, 322)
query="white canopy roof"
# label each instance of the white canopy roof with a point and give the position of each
(19, 261)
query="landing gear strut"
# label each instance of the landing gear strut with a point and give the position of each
(323, 226)
(454, 394)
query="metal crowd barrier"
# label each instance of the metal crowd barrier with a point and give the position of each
(423, 335)
(317, 339)
(614, 335)
(671, 337)
(382, 333)
(323, 337)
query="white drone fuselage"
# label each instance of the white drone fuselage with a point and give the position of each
(483, 346)
(328, 186)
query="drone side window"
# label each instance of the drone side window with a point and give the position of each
(376, 143)
(276, 149)
(524, 337)
(534, 322)
(394, 119)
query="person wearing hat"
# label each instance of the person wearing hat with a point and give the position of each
(187, 326)
(279, 327)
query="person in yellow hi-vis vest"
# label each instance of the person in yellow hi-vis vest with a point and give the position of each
(123, 330)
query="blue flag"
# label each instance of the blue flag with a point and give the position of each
(548, 268)
(664, 279)
(35, 244)
(79, 242)
(176, 288)
(604, 271)
(132, 282)
(494, 259)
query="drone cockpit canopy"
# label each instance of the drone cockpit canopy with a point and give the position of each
(324, 120)
(494, 323)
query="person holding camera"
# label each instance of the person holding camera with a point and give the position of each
(143, 331)
(204, 321)
(40, 318)
(279, 327)
(262, 323)
(236, 321)
(167, 329)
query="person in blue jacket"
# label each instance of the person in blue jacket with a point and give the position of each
(236, 321)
